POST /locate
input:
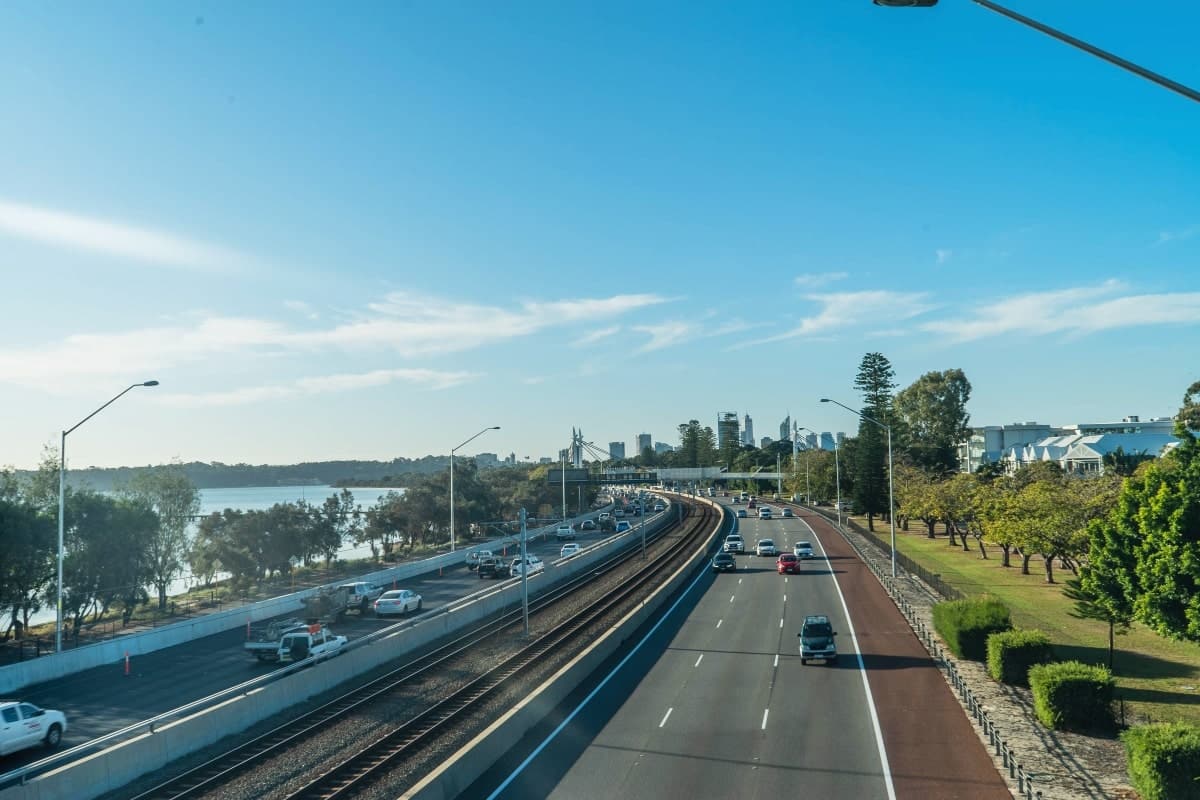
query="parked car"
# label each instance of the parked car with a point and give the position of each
(569, 549)
(565, 532)
(397, 601)
(530, 567)
(787, 563)
(25, 725)
(803, 550)
(724, 562)
(624, 525)
(787, 512)
(766, 547)
(734, 544)
(362, 595)
(816, 639)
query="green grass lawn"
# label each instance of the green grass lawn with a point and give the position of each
(1158, 678)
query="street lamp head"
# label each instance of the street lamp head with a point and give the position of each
(494, 428)
(824, 399)
(150, 383)
(906, 3)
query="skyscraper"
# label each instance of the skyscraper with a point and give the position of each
(644, 441)
(826, 440)
(727, 429)
(748, 432)
(616, 449)
(785, 429)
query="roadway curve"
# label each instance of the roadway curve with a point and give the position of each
(715, 703)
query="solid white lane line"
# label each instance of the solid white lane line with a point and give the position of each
(698, 660)
(666, 716)
(719, 622)
(883, 758)
(765, 712)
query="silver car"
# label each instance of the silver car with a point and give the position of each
(803, 550)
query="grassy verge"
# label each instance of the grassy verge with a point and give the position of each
(1159, 679)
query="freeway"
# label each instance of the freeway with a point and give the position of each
(715, 703)
(104, 699)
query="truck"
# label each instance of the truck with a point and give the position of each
(314, 640)
(264, 641)
(476, 556)
(327, 605)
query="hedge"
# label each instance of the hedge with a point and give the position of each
(966, 624)
(1074, 696)
(1164, 760)
(1010, 654)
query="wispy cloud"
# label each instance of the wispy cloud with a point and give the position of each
(841, 310)
(1177, 235)
(666, 334)
(302, 308)
(401, 324)
(595, 336)
(816, 280)
(324, 384)
(943, 254)
(1074, 311)
(111, 238)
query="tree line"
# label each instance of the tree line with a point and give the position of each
(121, 546)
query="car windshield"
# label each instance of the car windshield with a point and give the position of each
(391, 595)
(804, 545)
(818, 629)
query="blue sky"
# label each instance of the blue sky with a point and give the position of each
(370, 233)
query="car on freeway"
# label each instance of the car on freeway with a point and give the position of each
(25, 725)
(491, 567)
(398, 601)
(752, 504)
(766, 547)
(764, 512)
(787, 563)
(659, 508)
(531, 566)
(362, 595)
(734, 544)
(569, 549)
(604, 516)
(618, 513)
(741, 513)
(736, 499)
(787, 512)
(565, 532)
(803, 550)
(724, 562)
(816, 639)
(624, 525)
(587, 525)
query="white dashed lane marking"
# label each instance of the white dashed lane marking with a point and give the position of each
(666, 716)
(698, 660)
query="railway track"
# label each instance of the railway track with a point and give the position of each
(360, 768)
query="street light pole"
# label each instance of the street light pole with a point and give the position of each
(891, 473)
(62, 495)
(1065, 38)
(524, 572)
(453, 450)
(807, 459)
(837, 479)
(642, 514)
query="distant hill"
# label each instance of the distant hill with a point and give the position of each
(232, 476)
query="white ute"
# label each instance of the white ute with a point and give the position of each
(316, 640)
(25, 725)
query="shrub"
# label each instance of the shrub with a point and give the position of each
(1074, 696)
(1010, 654)
(966, 624)
(1164, 760)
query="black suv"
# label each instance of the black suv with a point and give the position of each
(816, 639)
(491, 568)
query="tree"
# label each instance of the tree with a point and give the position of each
(932, 412)
(915, 497)
(27, 569)
(176, 501)
(875, 382)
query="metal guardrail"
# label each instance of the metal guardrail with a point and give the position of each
(1017, 772)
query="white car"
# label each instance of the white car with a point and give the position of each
(569, 549)
(803, 550)
(766, 547)
(25, 725)
(532, 566)
(741, 512)
(397, 601)
(659, 507)
(604, 515)
(764, 512)
(787, 512)
(565, 532)
(734, 544)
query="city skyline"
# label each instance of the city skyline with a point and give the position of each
(332, 236)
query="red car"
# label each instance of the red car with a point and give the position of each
(787, 563)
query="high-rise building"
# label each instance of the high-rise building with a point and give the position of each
(748, 432)
(662, 447)
(826, 440)
(810, 441)
(766, 442)
(785, 429)
(727, 429)
(644, 441)
(616, 449)
(840, 436)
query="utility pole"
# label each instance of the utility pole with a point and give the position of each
(524, 571)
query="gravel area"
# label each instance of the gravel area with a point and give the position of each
(1065, 766)
(313, 755)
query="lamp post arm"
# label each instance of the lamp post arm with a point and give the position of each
(98, 410)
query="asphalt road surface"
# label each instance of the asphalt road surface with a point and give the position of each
(716, 704)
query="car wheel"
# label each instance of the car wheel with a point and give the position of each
(803, 661)
(418, 605)
(54, 735)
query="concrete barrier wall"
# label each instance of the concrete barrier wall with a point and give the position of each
(13, 677)
(118, 765)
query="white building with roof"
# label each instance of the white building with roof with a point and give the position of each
(1078, 447)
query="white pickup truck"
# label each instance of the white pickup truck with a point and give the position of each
(25, 725)
(315, 641)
